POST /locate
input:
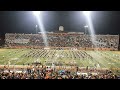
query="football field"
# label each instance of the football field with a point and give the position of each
(101, 59)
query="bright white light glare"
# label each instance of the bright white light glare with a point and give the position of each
(36, 25)
(90, 24)
(86, 13)
(41, 26)
(86, 26)
(36, 13)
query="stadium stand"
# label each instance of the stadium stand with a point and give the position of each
(63, 40)
(54, 65)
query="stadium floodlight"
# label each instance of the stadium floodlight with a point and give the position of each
(87, 13)
(86, 26)
(36, 26)
(38, 16)
(90, 24)
(36, 13)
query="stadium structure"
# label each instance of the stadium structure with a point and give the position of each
(65, 49)
(70, 40)
(60, 54)
(63, 46)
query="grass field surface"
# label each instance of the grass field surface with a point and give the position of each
(100, 59)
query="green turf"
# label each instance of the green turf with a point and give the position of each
(105, 59)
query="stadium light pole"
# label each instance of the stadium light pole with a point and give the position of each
(36, 28)
(87, 14)
(85, 28)
(36, 14)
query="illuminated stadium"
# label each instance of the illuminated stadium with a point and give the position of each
(69, 54)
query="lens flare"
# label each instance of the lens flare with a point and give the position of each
(38, 15)
(90, 25)
(86, 13)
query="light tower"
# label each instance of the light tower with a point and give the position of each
(36, 14)
(86, 26)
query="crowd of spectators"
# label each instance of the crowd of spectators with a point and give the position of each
(63, 40)
(44, 72)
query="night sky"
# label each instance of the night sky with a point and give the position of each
(104, 22)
